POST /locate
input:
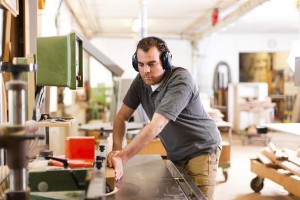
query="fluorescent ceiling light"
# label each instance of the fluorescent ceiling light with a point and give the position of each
(135, 25)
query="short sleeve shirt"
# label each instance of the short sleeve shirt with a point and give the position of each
(190, 131)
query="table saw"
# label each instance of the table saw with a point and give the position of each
(145, 177)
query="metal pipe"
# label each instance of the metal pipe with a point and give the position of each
(16, 104)
(18, 179)
(14, 135)
(143, 17)
(2, 157)
(16, 144)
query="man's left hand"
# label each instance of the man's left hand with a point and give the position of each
(115, 161)
(118, 166)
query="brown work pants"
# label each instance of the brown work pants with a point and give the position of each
(203, 171)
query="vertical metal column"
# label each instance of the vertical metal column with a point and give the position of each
(16, 102)
(17, 116)
(143, 18)
(195, 59)
(14, 137)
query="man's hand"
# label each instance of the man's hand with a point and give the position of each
(118, 166)
(115, 161)
(109, 157)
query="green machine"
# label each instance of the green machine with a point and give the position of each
(59, 61)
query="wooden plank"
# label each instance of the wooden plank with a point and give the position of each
(290, 166)
(268, 153)
(154, 147)
(284, 164)
(296, 108)
(292, 156)
(7, 34)
(5, 58)
(272, 147)
(3, 109)
(294, 160)
(110, 177)
(265, 160)
(280, 155)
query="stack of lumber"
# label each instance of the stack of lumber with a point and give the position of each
(215, 114)
(279, 165)
(282, 158)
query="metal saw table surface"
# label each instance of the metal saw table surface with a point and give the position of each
(147, 177)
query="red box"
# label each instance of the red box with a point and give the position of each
(80, 147)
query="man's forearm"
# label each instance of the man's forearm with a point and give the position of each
(119, 130)
(143, 138)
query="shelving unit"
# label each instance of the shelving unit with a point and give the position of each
(239, 117)
(49, 123)
(56, 132)
(283, 112)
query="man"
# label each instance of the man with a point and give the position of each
(171, 101)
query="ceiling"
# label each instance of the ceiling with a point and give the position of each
(185, 19)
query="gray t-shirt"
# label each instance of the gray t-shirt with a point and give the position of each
(190, 131)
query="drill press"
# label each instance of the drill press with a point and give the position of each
(14, 134)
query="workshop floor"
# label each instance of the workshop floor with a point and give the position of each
(237, 186)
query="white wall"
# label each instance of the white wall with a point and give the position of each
(226, 47)
(211, 50)
(120, 50)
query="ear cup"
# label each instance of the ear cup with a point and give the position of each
(135, 62)
(166, 58)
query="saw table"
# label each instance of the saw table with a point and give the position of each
(145, 177)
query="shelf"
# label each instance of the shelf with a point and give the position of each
(108, 126)
(53, 123)
(222, 108)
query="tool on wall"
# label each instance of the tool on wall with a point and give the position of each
(222, 77)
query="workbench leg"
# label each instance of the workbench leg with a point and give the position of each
(225, 173)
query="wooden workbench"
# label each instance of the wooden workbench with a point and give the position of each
(291, 128)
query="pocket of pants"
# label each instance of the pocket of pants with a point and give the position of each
(203, 169)
(198, 165)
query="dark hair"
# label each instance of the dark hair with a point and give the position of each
(146, 43)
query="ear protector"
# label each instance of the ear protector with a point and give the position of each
(166, 56)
